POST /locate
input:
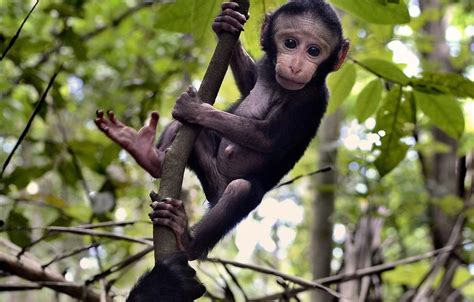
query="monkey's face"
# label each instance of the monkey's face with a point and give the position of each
(302, 46)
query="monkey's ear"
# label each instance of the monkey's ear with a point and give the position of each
(341, 56)
(264, 28)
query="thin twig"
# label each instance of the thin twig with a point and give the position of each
(17, 35)
(30, 121)
(18, 287)
(376, 269)
(79, 231)
(235, 280)
(110, 224)
(426, 286)
(87, 36)
(303, 175)
(276, 273)
(122, 264)
(69, 254)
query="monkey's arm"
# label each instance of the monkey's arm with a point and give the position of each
(252, 133)
(244, 69)
(242, 65)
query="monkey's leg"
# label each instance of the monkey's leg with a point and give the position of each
(239, 199)
(202, 161)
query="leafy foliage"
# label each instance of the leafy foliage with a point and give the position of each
(137, 56)
(376, 11)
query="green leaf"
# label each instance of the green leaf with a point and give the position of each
(68, 172)
(187, 16)
(445, 83)
(451, 204)
(466, 144)
(95, 156)
(443, 110)
(340, 85)
(368, 100)
(416, 271)
(18, 228)
(61, 220)
(376, 11)
(386, 70)
(75, 41)
(22, 176)
(394, 118)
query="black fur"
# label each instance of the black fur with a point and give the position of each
(171, 280)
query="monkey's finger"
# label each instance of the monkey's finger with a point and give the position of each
(99, 113)
(166, 214)
(177, 203)
(220, 27)
(231, 5)
(177, 207)
(229, 24)
(166, 204)
(153, 120)
(154, 196)
(169, 223)
(102, 124)
(111, 116)
(191, 91)
(241, 18)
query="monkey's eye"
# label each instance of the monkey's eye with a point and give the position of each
(290, 43)
(314, 51)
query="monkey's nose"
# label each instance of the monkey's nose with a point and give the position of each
(295, 70)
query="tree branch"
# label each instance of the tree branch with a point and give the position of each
(80, 231)
(17, 34)
(30, 269)
(178, 153)
(270, 271)
(376, 269)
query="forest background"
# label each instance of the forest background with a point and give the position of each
(393, 218)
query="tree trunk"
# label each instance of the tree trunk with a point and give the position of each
(178, 153)
(323, 205)
(440, 172)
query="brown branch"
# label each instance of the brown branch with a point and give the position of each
(122, 264)
(426, 286)
(18, 287)
(178, 153)
(270, 271)
(235, 280)
(327, 169)
(110, 224)
(69, 254)
(29, 269)
(30, 121)
(17, 34)
(376, 269)
(79, 231)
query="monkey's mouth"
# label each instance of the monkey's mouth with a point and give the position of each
(289, 84)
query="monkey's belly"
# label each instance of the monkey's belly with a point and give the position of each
(235, 161)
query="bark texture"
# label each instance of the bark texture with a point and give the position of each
(323, 205)
(179, 151)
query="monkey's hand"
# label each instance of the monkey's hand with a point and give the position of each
(229, 20)
(140, 144)
(188, 106)
(171, 213)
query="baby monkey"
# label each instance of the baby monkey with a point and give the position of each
(243, 152)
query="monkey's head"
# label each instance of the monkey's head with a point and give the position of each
(304, 40)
